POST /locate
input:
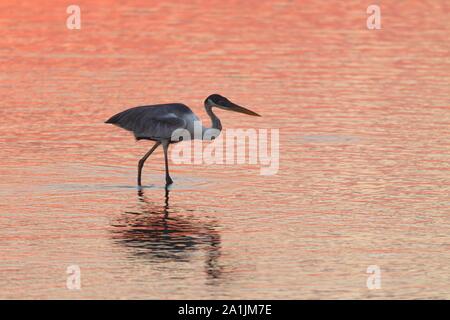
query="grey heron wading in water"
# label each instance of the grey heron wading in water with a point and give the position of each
(158, 122)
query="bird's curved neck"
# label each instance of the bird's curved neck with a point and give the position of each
(215, 122)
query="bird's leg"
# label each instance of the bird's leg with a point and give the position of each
(142, 161)
(166, 147)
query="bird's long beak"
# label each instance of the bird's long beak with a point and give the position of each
(234, 107)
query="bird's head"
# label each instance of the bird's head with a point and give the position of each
(216, 100)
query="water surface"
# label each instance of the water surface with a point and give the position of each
(364, 179)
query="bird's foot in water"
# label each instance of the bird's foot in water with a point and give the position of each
(169, 180)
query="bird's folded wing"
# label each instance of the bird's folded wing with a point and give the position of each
(159, 127)
(149, 122)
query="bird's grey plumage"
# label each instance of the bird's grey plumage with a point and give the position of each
(155, 122)
(158, 123)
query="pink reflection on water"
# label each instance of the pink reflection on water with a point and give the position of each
(364, 175)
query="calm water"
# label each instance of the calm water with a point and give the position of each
(364, 177)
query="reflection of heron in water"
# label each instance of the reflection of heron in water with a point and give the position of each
(158, 237)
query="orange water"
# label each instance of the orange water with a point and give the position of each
(364, 179)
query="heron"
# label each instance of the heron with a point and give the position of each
(158, 122)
